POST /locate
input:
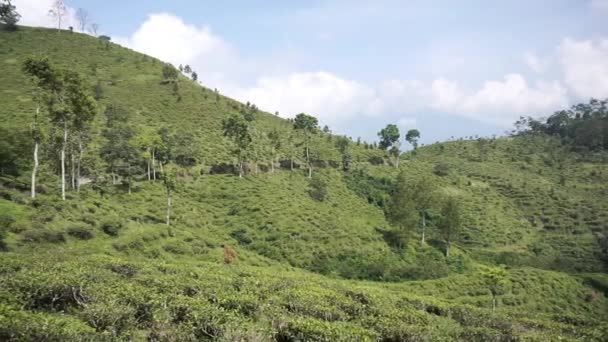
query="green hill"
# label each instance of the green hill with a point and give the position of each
(104, 265)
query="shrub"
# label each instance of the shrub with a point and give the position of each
(317, 189)
(112, 226)
(42, 235)
(6, 221)
(441, 169)
(79, 232)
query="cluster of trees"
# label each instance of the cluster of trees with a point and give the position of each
(390, 141)
(584, 126)
(409, 209)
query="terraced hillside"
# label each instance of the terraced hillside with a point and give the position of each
(266, 257)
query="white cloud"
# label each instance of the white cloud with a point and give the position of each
(322, 94)
(36, 13)
(499, 102)
(170, 39)
(336, 100)
(585, 65)
(536, 63)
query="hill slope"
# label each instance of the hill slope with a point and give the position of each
(103, 265)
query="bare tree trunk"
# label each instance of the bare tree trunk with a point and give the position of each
(35, 169)
(308, 161)
(169, 204)
(80, 148)
(255, 167)
(65, 141)
(291, 160)
(162, 171)
(153, 165)
(423, 227)
(447, 250)
(240, 169)
(113, 178)
(272, 165)
(72, 170)
(149, 177)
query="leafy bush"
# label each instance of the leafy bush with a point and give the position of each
(80, 232)
(112, 226)
(42, 235)
(317, 188)
(441, 169)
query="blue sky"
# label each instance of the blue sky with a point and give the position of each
(448, 68)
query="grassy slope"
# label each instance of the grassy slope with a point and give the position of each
(150, 280)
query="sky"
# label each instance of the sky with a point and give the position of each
(447, 68)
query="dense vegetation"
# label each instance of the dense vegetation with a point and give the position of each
(320, 238)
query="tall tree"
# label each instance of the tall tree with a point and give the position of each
(495, 279)
(307, 125)
(274, 137)
(58, 11)
(450, 223)
(170, 183)
(194, 76)
(68, 103)
(401, 211)
(83, 18)
(237, 130)
(412, 137)
(389, 138)
(9, 15)
(83, 108)
(343, 145)
(94, 28)
(424, 195)
(48, 83)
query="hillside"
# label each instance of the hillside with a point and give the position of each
(104, 265)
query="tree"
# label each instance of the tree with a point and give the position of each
(83, 17)
(169, 73)
(237, 130)
(401, 211)
(343, 145)
(58, 11)
(317, 188)
(412, 137)
(94, 28)
(194, 76)
(450, 223)
(69, 106)
(307, 125)
(424, 195)
(47, 81)
(170, 183)
(495, 279)
(9, 15)
(389, 138)
(275, 144)
(120, 151)
(187, 69)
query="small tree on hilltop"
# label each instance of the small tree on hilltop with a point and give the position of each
(9, 15)
(58, 11)
(389, 138)
(194, 76)
(412, 137)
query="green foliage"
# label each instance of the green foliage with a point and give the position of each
(317, 188)
(389, 136)
(9, 17)
(412, 137)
